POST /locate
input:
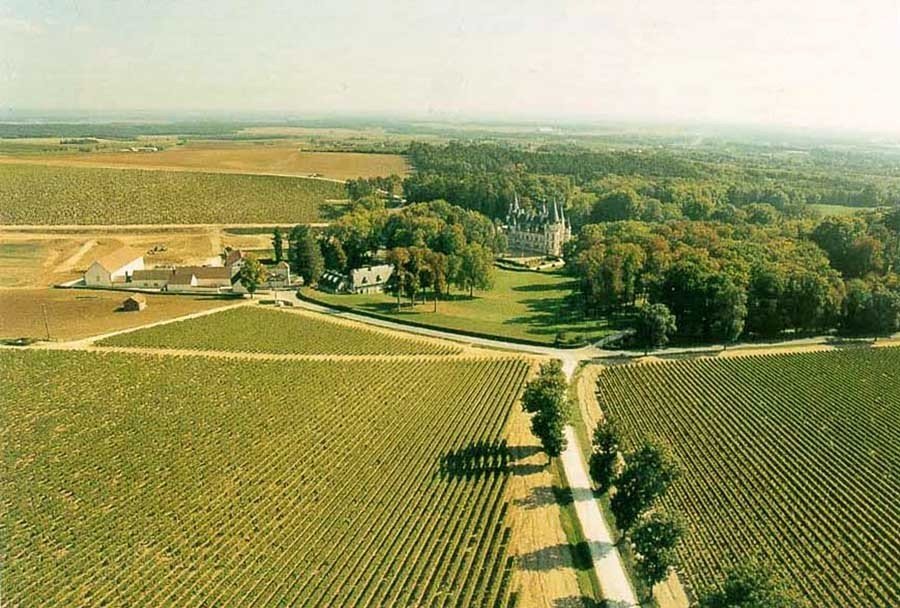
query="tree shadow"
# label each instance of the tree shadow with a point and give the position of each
(536, 287)
(550, 315)
(562, 555)
(541, 496)
(578, 601)
(526, 468)
(476, 459)
(488, 457)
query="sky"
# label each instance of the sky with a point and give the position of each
(802, 63)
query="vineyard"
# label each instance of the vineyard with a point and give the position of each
(36, 194)
(169, 481)
(247, 329)
(791, 459)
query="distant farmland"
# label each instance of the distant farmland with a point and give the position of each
(38, 194)
(195, 481)
(256, 158)
(793, 459)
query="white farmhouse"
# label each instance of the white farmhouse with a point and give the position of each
(370, 279)
(116, 267)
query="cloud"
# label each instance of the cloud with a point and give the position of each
(20, 26)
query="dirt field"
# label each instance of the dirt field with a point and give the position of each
(546, 575)
(29, 259)
(270, 159)
(79, 313)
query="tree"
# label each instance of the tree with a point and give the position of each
(653, 326)
(439, 269)
(750, 585)
(546, 397)
(605, 454)
(397, 283)
(653, 540)
(304, 255)
(766, 315)
(476, 268)
(278, 244)
(252, 274)
(618, 205)
(333, 254)
(870, 309)
(728, 308)
(649, 471)
(837, 235)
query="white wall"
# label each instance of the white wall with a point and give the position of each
(96, 275)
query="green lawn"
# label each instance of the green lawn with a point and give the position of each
(522, 305)
(841, 210)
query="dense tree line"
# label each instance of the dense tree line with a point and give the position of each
(721, 281)
(647, 185)
(432, 246)
(363, 187)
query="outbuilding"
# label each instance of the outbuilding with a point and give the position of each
(116, 267)
(134, 303)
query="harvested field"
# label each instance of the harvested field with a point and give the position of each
(255, 158)
(76, 313)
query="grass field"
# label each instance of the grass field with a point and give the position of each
(793, 459)
(274, 158)
(840, 210)
(522, 305)
(167, 481)
(274, 331)
(74, 314)
(38, 194)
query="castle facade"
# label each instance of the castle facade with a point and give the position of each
(542, 232)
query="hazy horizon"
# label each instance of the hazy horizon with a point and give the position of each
(806, 65)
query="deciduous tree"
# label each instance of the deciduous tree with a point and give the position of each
(546, 396)
(604, 459)
(653, 539)
(750, 585)
(654, 325)
(252, 274)
(649, 471)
